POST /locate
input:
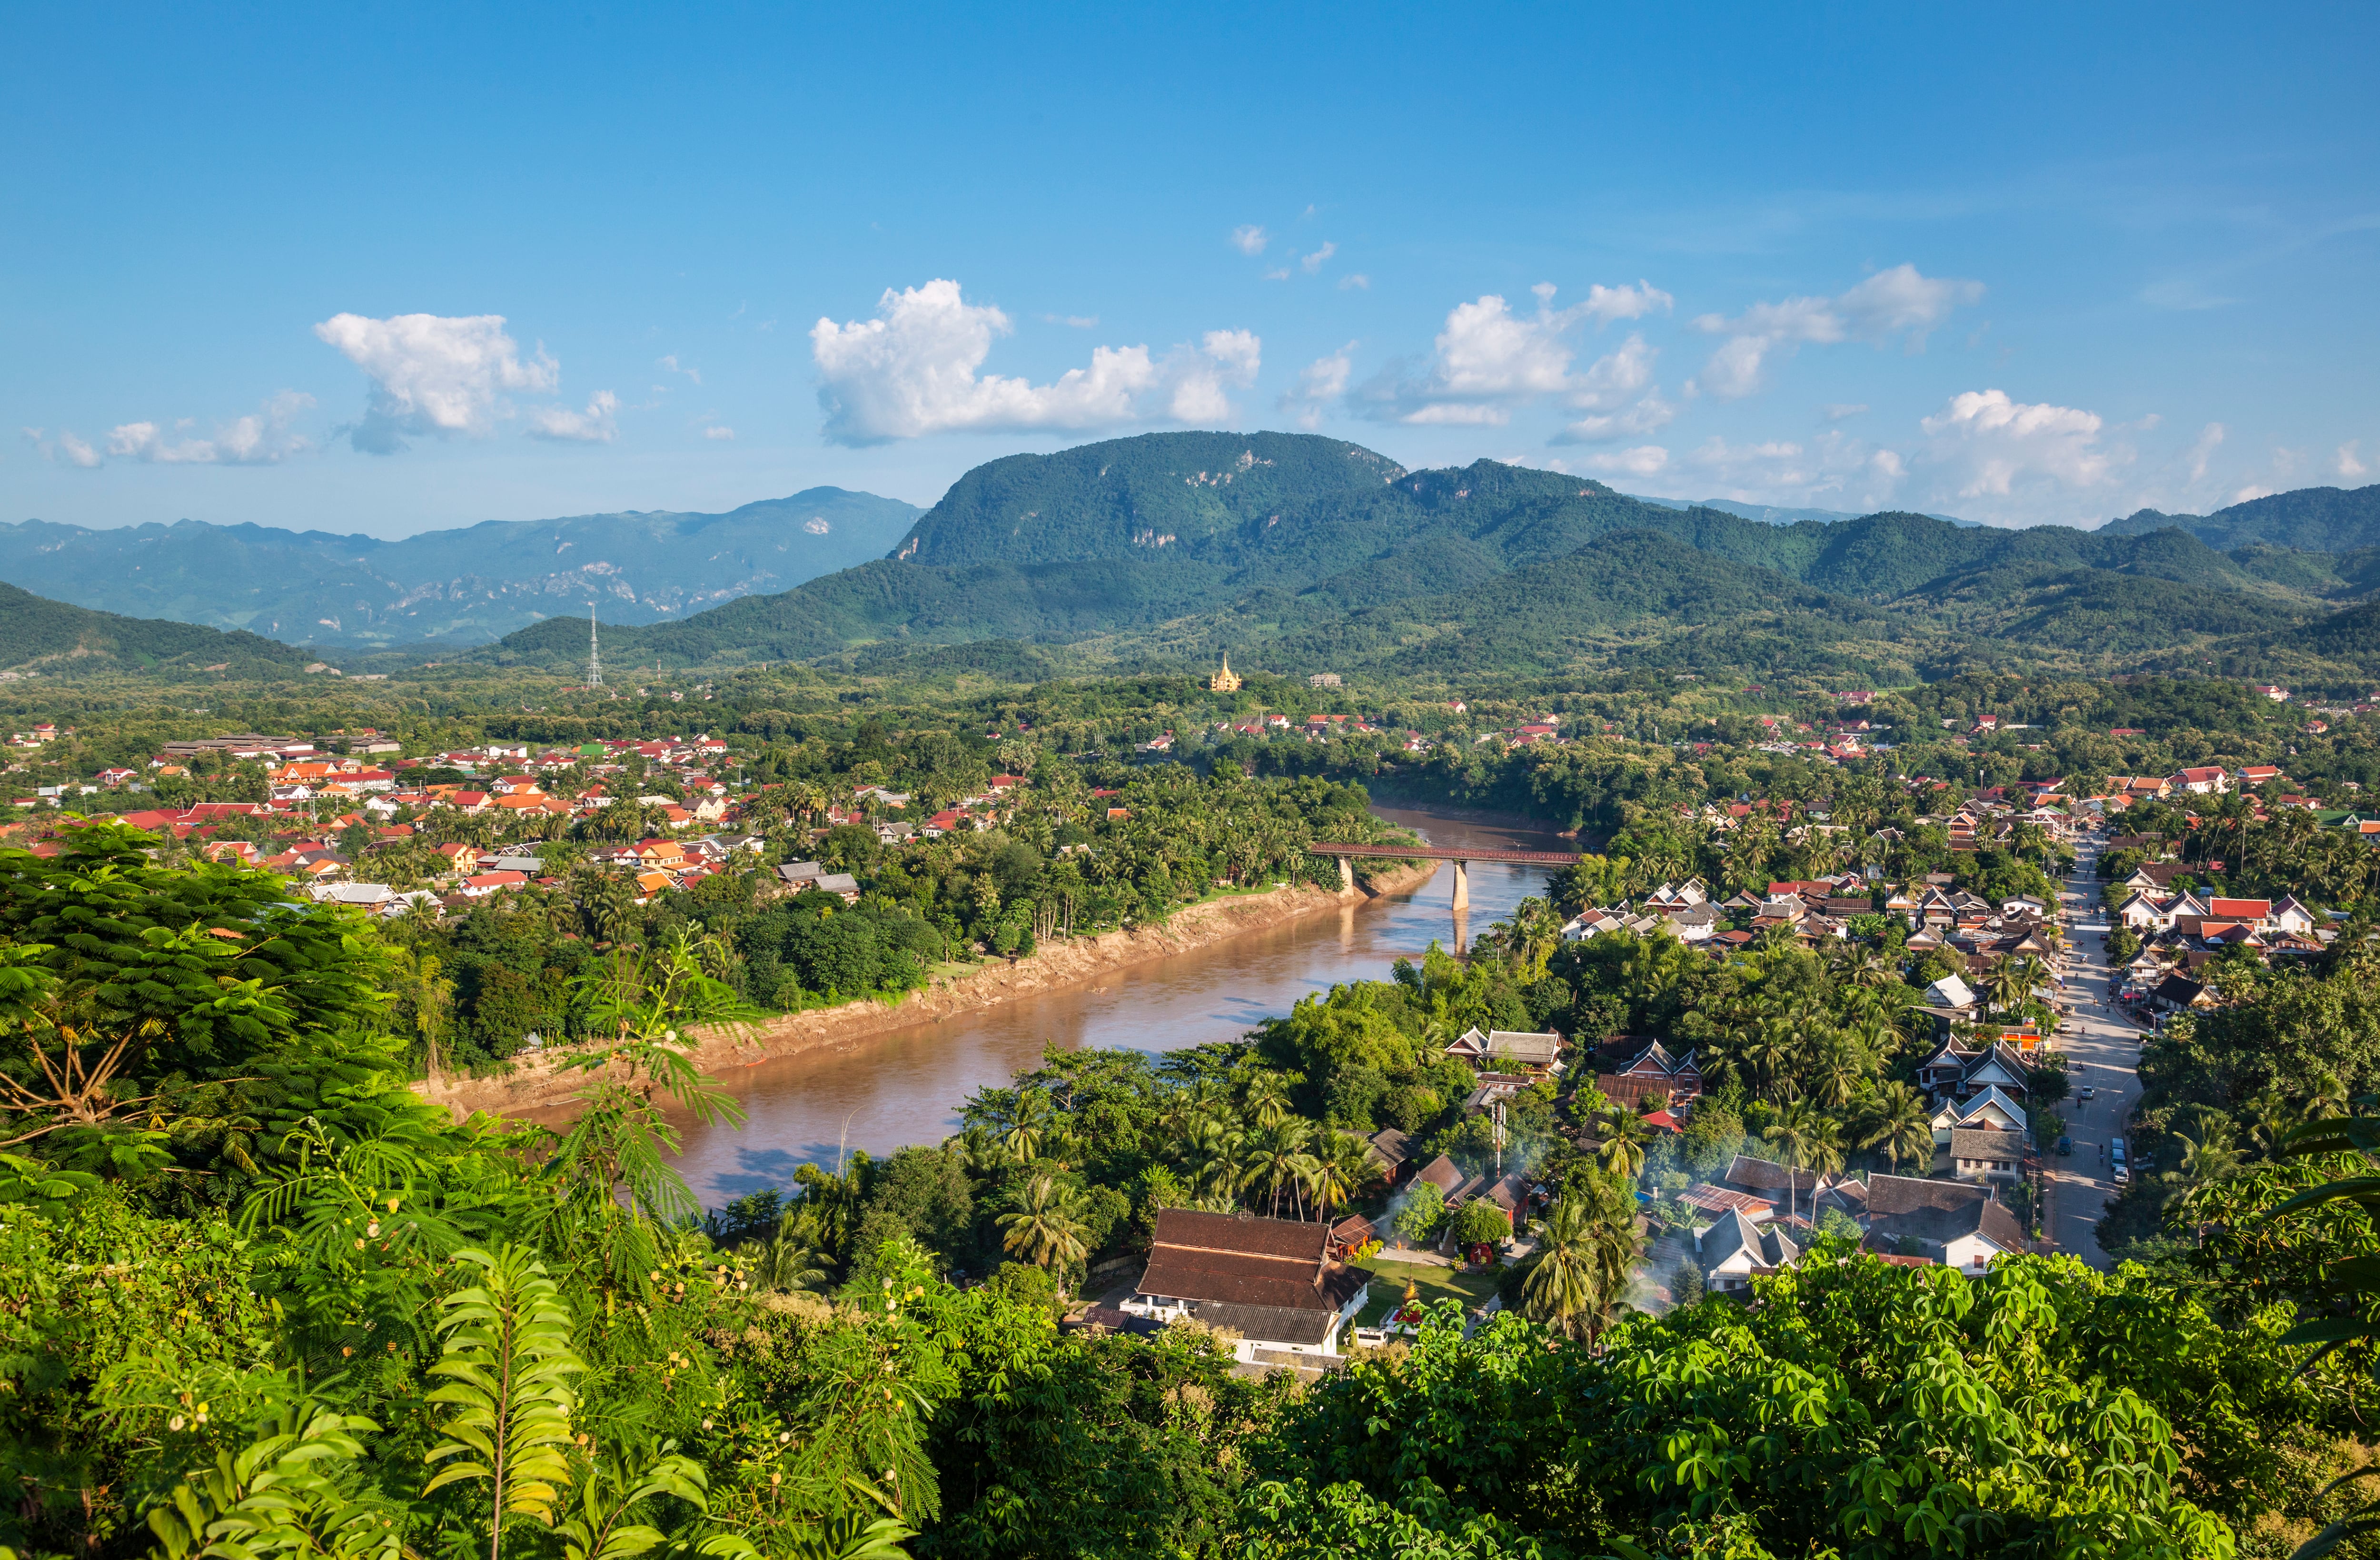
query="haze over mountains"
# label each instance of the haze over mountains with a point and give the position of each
(460, 587)
(1298, 553)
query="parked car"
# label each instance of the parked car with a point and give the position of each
(2122, 1176)
(2066, 1147)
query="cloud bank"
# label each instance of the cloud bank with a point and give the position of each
(913, 370)
(1896, 303)
(432, 374)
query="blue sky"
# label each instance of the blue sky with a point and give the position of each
(2044, 264)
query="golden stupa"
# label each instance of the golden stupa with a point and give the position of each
(1226, 680)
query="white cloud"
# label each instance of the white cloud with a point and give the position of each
(1080, 322)
(2251, 491)
(1354, 281)
(1319, 384)
(1642, 462)
(1900, 302)
(1635, 421)
(65, 448)
(1611, 379)
(1250, 239)
(432, 374)
(1489, 358)
(913, 370)
(1313, 263)
(260, 438)
(593, 426)
(1280, 274)
(670, 363)
(2349, 463)
(2203, 447)
(720, 433)
(1623, 302)
(1224, 358)
(1989, 444)
(1835, 411)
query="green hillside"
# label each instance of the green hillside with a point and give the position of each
(54, 639)
(2323, 520)
(1167, 545)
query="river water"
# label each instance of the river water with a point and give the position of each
(887, 1090)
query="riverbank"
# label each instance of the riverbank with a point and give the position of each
(540, 1083)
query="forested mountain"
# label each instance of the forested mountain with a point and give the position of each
(51, 636)
(1165, 547)
(1774, 514)
(464, 587)
(2323, 520)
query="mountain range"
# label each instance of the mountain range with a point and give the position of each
(1307, 553)
(1299, 552)
(460, 587)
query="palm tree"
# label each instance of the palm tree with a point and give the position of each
(2006, 986)
(1345, 1169)
(2266, 1118)
(2209, 1158)
(1277, 1161)
(788, 1262)
(1045, 1229)
(1267, 1098)
(1896, 1120)
(1625, 1135)
(1027, 1126)
(1561, 1287)
(1794, 1131)
(1835, 1068)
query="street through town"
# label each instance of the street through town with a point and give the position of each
(2102, 1047)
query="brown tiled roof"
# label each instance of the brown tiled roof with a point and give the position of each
(1763, 1174)
(1444, 1173)
(1941, 1225)
(1889, 1195)
(1982, 1142)
(1719, 1200)
(1268, 1324)
(1276, 1262)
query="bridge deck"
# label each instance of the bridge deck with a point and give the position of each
(1431, 853)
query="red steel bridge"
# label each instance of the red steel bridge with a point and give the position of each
(1462, 857)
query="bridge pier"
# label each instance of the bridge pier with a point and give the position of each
(1462, 885)
(1346, 874)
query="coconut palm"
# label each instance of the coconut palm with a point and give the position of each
(1046, 1227)
(1345, 1169)
(1562, 1288)
(1027, 1126)
(1795, 1132)
(1624, 1136)
(1267, 1098)
(1276, 1160)
(788, 1260)
(1896, 1120)
(1836, 1067)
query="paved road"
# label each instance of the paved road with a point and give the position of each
(2102, 1048)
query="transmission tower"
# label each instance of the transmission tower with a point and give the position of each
(594, 657)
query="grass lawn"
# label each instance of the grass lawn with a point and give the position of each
(1434, 1283)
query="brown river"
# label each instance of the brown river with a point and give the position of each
(886, 1090)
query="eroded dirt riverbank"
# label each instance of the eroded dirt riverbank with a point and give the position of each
(541, 1084)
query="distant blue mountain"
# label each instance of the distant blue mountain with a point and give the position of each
(1771, 515)
(460, 587)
